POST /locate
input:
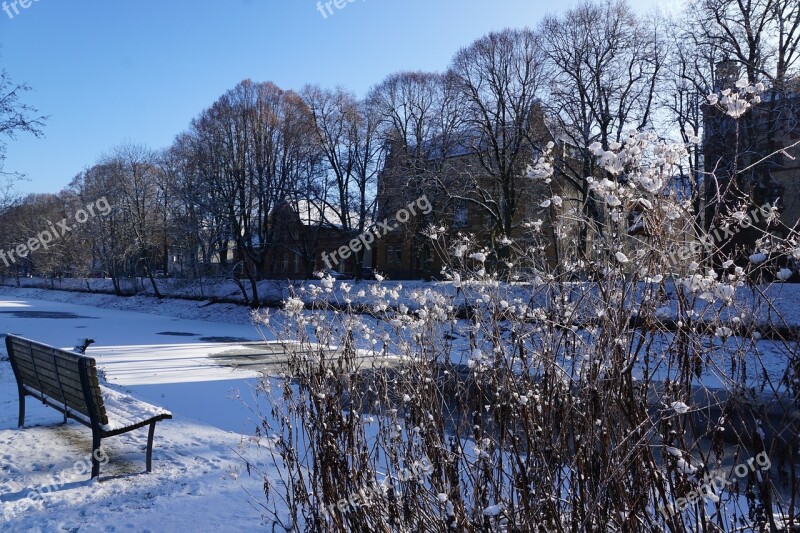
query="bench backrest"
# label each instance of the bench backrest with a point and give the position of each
(66, 378)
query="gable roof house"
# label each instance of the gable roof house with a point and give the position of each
(302, 232)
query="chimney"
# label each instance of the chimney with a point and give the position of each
(726, 74)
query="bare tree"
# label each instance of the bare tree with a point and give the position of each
(500, 79)
(196, 224)
(108, 237)
(419, 115)
(346, 132)
(138, 181)
(253, 143)
(689, 77)
(758, 41)
(761, 35)
(15, 117)
(606, 65)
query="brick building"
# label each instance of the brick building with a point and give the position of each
(739, 172)
(302, 233)
(455, 181)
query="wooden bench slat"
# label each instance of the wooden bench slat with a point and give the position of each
(39, 357)
(47, 354)
(68, 367)
(65, 359)
(125, 411)
(71, 402)
(76, 404)
(26, 364)
(20, 346)
(52, 360)
(75, 398)
(52, 387)
(51, 373)
(67, 378)
(39, 378)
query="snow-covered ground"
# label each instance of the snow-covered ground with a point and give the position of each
(195, 289)
(784, 311)
(160, 359)
(182, 355)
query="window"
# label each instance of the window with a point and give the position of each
(425, 257)
(285, 264)
(460, 216)
(394, 254)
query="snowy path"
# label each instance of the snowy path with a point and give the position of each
(165, 361)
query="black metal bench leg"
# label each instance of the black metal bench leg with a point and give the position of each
(150, 447)
(95, 453)
(21, 409)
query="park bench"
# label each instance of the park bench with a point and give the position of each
(67, 382)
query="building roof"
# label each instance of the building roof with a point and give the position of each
(317, 213)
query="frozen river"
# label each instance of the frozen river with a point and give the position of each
(183, 365)
(198, 477)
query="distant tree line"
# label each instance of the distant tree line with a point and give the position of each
(206, 206)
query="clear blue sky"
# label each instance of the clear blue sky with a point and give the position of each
(111, 71)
